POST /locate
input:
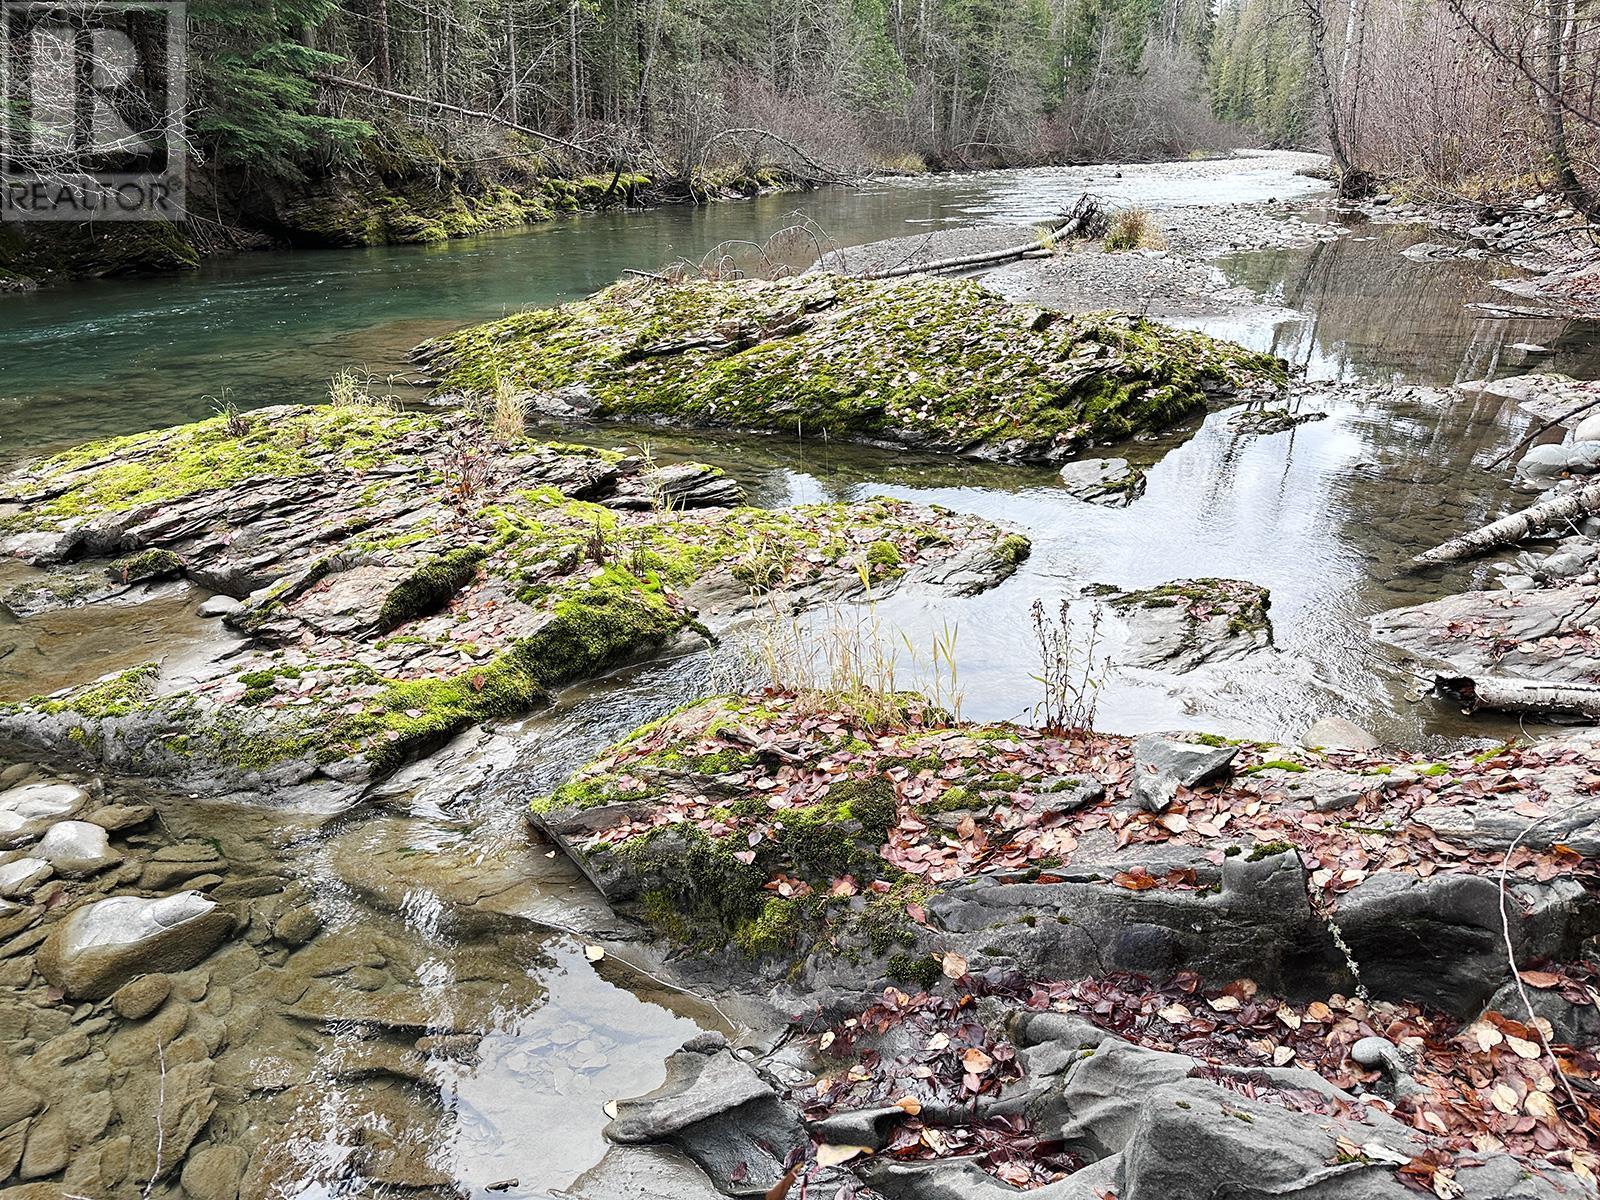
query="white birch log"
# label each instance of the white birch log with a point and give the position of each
(1519, 695)
(1534, 519)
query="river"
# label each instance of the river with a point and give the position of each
(433, 888)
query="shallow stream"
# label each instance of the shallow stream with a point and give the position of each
(434, 903)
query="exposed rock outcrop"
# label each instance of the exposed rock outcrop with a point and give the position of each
(941, 364)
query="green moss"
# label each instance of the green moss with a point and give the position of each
(115, 697)
(430, 587)
(921, 972)
(883, 554)
(146, 565)
(148, 468)
(773, 931)
(940, 362)
(1263, 850)
(1276, 764)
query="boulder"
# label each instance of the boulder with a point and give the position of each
(1187, 623)
(1195, 1140)
(1573, 1024)
(1096, 1105)
(1543, 462)
(1584, 457)
(1162, 765)
(102, 945)
(28, 810)
(1588, 429)
(77, 848)
(1337, 733)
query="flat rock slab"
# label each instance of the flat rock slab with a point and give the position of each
(1551, 635)
(713, 825)
(401, 577)
(1546, 396)
(940, 364)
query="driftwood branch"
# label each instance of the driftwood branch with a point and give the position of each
(825, 173)
(1521, 447)
(1530, 521)
(477, 114)
(1084, 214)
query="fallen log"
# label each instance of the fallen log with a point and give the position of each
(1085, 214)
(1519, 695)
(1534, 519)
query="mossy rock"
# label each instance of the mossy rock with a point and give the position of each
(410, 605)
(945, 364)
(680, 823)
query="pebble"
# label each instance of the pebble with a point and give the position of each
(140, 997)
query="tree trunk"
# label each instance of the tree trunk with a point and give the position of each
(1553, 104)
(382, 68)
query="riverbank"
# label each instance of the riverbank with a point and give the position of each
(390, 203)
(969, 926)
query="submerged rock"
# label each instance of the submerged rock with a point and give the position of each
(21, 875)
(77, 848)
(1109, 481)
(1271, 420)
(402, 577)
(99, 947)
(943, 364)
(28, 810)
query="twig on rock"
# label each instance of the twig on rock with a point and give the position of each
(1511, 957)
